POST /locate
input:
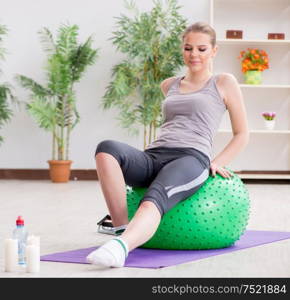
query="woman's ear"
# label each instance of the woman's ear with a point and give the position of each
(214, 50)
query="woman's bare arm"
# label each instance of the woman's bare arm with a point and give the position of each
(235, 104)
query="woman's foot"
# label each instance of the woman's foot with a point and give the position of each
(112, 254)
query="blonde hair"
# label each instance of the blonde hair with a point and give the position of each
(203, 28)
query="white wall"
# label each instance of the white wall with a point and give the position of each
(27, 146)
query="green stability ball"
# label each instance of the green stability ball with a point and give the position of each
(214, 217)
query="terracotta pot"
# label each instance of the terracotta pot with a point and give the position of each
(59, 170)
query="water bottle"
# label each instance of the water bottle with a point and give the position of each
(20, 234)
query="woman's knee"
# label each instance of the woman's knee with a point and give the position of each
(151, 206)
(155, 195)
(106, 151)
(103, 157)
(106, 146)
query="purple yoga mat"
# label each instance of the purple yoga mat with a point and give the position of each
(155, 258)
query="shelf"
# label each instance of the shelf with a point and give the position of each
(267, 86)
(261, 42)
(263, 176)
(259, 131)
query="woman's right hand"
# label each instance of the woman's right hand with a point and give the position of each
(215, 168)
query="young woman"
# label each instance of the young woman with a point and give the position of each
(175, 165)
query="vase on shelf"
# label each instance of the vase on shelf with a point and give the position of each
(269, 124)
(253, 77)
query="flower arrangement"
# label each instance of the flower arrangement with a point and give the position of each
(254, 59)
(269, 115)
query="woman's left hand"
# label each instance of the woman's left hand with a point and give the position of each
(220, 170)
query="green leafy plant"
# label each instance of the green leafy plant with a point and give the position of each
(54, 105)
(6, 95)
(151, 41)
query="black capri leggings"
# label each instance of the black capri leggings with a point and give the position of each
(171, 174)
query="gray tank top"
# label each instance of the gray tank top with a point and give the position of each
(190, 119)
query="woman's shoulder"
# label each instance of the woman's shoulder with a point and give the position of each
(225, 79)
(166, 83)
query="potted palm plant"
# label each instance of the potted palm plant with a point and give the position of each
(151, 42)
(54, 105)
(6, 94)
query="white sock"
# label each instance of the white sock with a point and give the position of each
(112, 254)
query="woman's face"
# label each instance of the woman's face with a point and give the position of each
(197, 51)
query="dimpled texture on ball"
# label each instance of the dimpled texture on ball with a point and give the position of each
(214, 217)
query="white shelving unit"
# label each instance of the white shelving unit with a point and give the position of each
(257, 18)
